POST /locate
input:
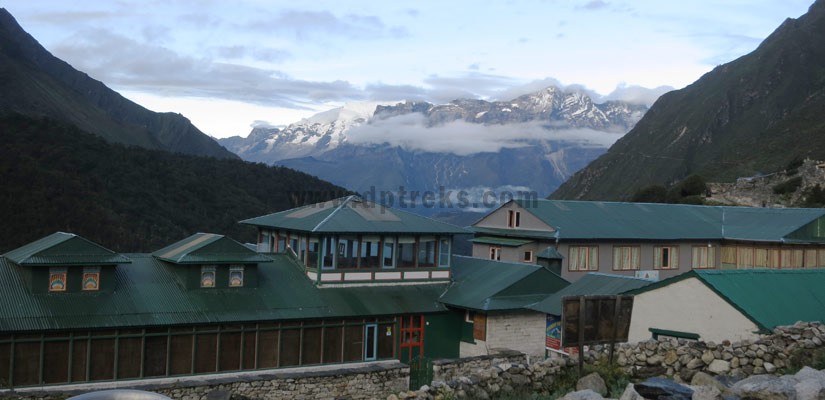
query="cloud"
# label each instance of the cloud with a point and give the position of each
(308, 25)
(122, 61)
(410, 131)
(636, 94)
(261, 124)
(471, 85)
(254, 52)
(595, 5)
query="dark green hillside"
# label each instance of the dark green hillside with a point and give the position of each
(755, 114)
(54, 177)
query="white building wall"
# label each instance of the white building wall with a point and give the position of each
(522, 331)
(688, 306)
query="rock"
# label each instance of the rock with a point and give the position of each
(392, 397)
(654, 360)
(630, 393)
(671, 357)
(719, 367)
(764, 387)
(703, 379)
(706, 393)
(661, 389)
(521, 380)
(707, 357)
(809, 373)
(769, 367)
(583, 395)
(695, 363)
(219, 395)
(592, 382)
(810, 389)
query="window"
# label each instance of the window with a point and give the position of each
(329, 252)
(444, 252)
(704, 257)
(665, 257)
(426, 251)
(513, 219)
(479, 326)
(583, 258)
(406, 252)
(528, 256)
(495, 253)
(208, 276)
(388, 256)
(57, 279)
(91, 279)
(369, 252)
(625, 258)
(236, 276)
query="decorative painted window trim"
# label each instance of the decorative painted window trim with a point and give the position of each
(208, 276)
(57, 279)
(236, 276)
(91, 279)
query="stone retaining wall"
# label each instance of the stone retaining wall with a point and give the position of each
(446, 369)
(676, 358)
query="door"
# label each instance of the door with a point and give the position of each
(370, 342)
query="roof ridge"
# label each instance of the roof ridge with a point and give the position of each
(328, 217)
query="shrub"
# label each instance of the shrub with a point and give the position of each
(805, 357)
(789, 186)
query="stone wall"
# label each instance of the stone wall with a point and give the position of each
(364, 382)
(676, 358)
(446, 369)
(522, 331)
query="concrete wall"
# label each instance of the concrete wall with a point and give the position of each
(522, 331)
(509, 254)
(498, 219)
(688, 306)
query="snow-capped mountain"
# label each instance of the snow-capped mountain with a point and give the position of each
(535, 141)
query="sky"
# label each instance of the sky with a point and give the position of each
(232, 65)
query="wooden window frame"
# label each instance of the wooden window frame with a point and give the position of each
(591, 265)
(709, 264)
(632, 249)
(527, 256)
(495, 250)
(673, 258)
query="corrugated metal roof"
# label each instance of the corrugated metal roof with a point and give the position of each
(768, 297)
(353, 215)
(613, 220)
(203, 248)
(513, 233)
(550, 253)
(501, 241)
(593, 283)
(487, 285)
(62, 248)
(147, 293)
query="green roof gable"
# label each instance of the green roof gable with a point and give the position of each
(352, 215)
(768, 297)
(487, 285)
(550, 253)
(592, 220)
(62, 249)
(202, 248)
(590, 284)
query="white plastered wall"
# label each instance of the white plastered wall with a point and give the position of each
(688, 306)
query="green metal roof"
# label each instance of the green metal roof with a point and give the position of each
(147, 293)
(488, 285)
(513, 233)
(62, 248)
(590, 284)
(202, 248)
(501, 241)
(353, 215)
(550, 253)
(584, 220)
(768, 297)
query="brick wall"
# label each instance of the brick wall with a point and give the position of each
(522, 331)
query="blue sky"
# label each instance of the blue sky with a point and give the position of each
(227, 65)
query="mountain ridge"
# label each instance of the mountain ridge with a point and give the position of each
(36, 83)
(756, 113)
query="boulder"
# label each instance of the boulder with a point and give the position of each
(706, 393)
(703, 379)
(630, 393)
(809, 373)
(583, 395)
(810, 389)
(661, 389)
(764, 387)
(592, 382)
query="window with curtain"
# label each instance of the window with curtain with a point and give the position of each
(665, 257)
(703, 257)
(583, 258)
(625, 258)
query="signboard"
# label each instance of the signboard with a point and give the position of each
(648, 275)
(588, 320)
(553, 338)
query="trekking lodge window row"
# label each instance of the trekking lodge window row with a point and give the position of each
(628, 258)
(362, 251)
(85, 356)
